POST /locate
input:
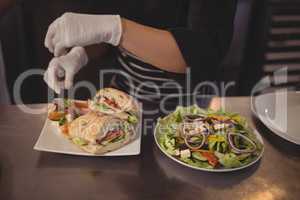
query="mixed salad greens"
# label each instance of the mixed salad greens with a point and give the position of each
(208, 139)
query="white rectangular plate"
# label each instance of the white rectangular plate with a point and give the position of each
(51, 140)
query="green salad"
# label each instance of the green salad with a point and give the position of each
(208, 139)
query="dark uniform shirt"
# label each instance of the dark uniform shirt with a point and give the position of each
(202, 29)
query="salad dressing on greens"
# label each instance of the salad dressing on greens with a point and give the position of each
(208, 139)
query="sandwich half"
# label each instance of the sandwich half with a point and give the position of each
(98, 133)
(117, 103)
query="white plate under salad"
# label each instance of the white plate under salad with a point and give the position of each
(197, 110)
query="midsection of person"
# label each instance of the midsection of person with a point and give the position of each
(145, 81)
(152, 58)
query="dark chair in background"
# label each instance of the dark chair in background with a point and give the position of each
(23, 29)
(244, 61)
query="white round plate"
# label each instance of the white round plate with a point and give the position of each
(211, 170)
(280, 112)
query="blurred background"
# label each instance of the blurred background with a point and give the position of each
(266, 37)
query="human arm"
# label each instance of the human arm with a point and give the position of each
(155, 46)
(152, 45)
(201, 44)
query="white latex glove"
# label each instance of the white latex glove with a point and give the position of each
(66, 66)
(72, 29)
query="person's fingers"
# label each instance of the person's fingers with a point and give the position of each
(58, 81)
(51, 78)
(59, 87)
(49, 36)
(59, 49)
(48, 80)
(55, 40)
(58, 46)
(60, 73)
(69, 77)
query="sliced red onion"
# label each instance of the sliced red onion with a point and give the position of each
(187, 135)
(237, 150)
(71, 114)
(193, 147)
(183, 128)
(193, 118)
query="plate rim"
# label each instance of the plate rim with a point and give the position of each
(273, 130)
(259, 137)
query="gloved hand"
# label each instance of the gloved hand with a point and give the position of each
(67, 66)
(72, 29)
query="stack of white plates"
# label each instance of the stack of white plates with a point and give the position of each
(280, 112)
